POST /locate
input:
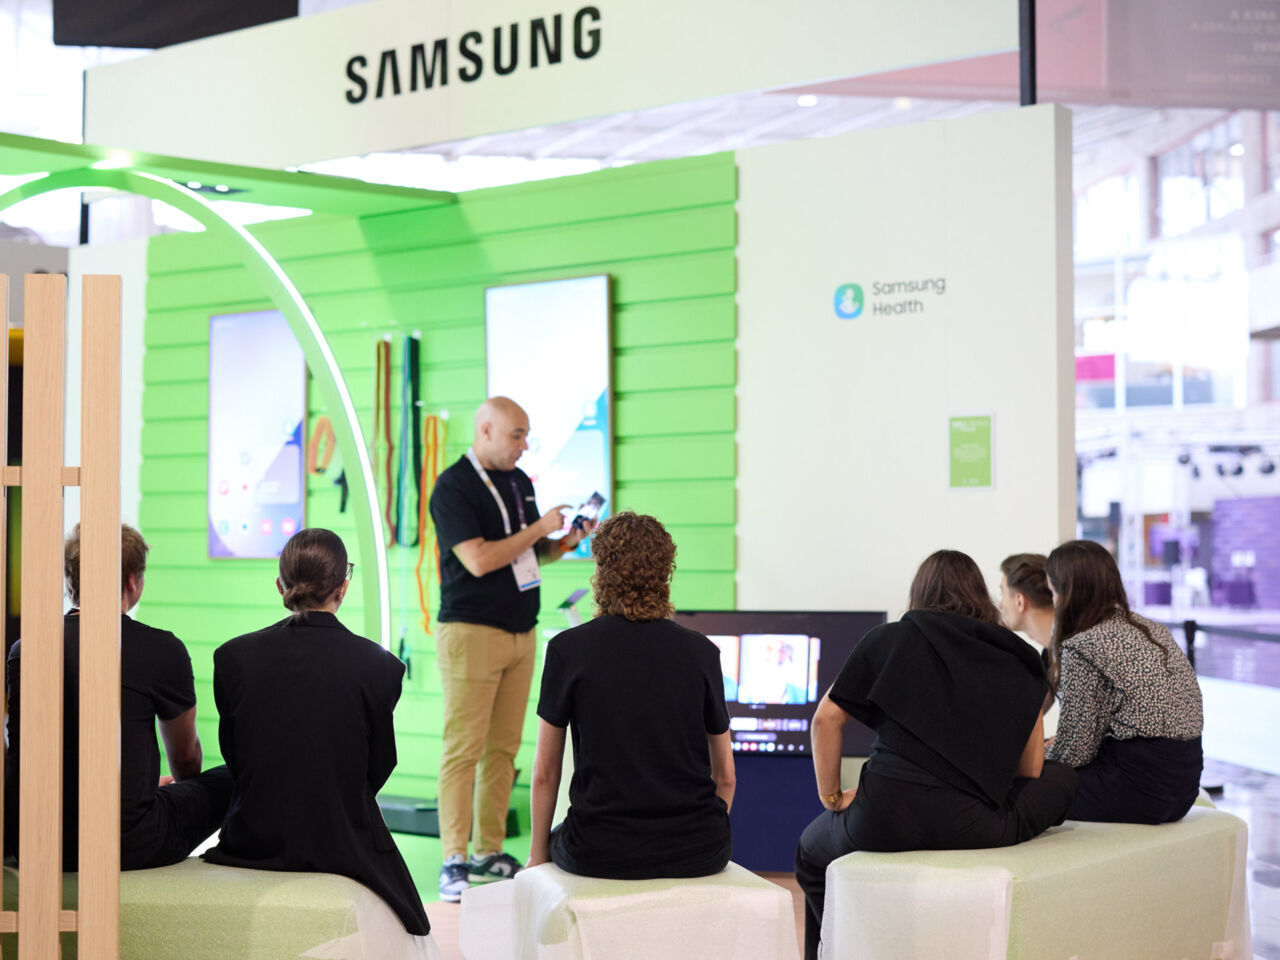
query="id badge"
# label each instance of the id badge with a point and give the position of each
(525, 567)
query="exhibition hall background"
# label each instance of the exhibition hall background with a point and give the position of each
(778, 441)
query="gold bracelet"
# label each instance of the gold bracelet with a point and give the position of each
(831, 798)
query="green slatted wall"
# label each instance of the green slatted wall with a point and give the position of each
(666, 232)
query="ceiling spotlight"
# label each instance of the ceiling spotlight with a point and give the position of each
(1184, 458)
(1195, 472)
(222, 188)
(1221, 469)
(1237, 470)
(1267, 467)
(1236, 150)
(194, 184)
(806, 100)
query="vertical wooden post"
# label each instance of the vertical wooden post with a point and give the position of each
(40, 803)
(100, 588)
(4, 490)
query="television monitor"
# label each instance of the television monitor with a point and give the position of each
(776, 667)
(257, 412)
(547, 348)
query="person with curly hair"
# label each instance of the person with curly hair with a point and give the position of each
(644, 700)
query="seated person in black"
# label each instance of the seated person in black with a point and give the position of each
(653, 765)
(161, 821)
(305, 725)
(957, 702)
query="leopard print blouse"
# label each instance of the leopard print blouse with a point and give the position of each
(1116, 683)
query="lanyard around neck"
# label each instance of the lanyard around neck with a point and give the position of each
(497, 497)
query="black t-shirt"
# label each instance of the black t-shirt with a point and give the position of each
(155, 681)
(640, 699)
(462, 508)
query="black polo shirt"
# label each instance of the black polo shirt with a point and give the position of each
(462, 508)
(155, 682)
(640, 698)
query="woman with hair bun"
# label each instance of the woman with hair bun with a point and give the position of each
(305, 726)
(653, 765)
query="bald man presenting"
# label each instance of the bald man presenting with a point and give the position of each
(491, 539)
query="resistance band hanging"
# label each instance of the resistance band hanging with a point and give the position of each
(321, 436)
(413, 355)
(433, 435)
(409, 463)
(382, 420)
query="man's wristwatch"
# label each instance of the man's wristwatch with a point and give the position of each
(831, 798)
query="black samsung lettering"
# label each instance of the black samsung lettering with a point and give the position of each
(498, 67)
(429, 60)
(388, 57)
(550, 43)
(418, 62)
(361, 84)
(470, 39)
(580, 50)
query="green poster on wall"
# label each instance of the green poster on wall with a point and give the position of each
(970, 452)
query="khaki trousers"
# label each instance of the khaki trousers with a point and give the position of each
(485, 673)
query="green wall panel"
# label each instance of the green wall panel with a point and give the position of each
(665, 232)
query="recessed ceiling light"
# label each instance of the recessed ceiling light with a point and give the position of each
(194, 184)
(806, 100)
(222, 188)
(1236, 150)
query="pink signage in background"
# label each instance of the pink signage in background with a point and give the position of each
(1098, 367)
(1175, 53)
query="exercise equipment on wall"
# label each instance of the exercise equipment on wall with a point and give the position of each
(433, 437)
(321, 446)
(382, 421)
(409, 463)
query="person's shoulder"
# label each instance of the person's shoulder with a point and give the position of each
(1158, 630)
(1101, 634)
(679, 631)
(456, 476)
(136, 631)
(247, 641)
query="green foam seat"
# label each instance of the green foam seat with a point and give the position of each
(1092, 891)
(200, 911)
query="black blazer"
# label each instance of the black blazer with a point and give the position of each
(306, 730)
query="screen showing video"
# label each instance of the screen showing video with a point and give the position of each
(257, 409)
(776, 667)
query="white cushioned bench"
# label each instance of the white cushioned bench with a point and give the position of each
(547, 914)
(198, 911)
(1092, 891)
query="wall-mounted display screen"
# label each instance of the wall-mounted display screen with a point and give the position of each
(547, 348)
(776, 668)
(257, 409)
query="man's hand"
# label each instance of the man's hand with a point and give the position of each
(553, 520)
(165, 781)
(846, 798)
(536, 860)
(576, 535)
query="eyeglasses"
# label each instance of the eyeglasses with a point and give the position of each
(351, 568)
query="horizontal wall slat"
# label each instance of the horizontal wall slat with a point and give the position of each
(680, 277)
(655, 235)
(710, 410)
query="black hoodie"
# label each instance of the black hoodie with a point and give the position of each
(955, 696)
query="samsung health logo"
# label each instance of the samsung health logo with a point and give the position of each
(502, 50)
(888, 297)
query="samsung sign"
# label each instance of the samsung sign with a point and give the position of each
(423, 66)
